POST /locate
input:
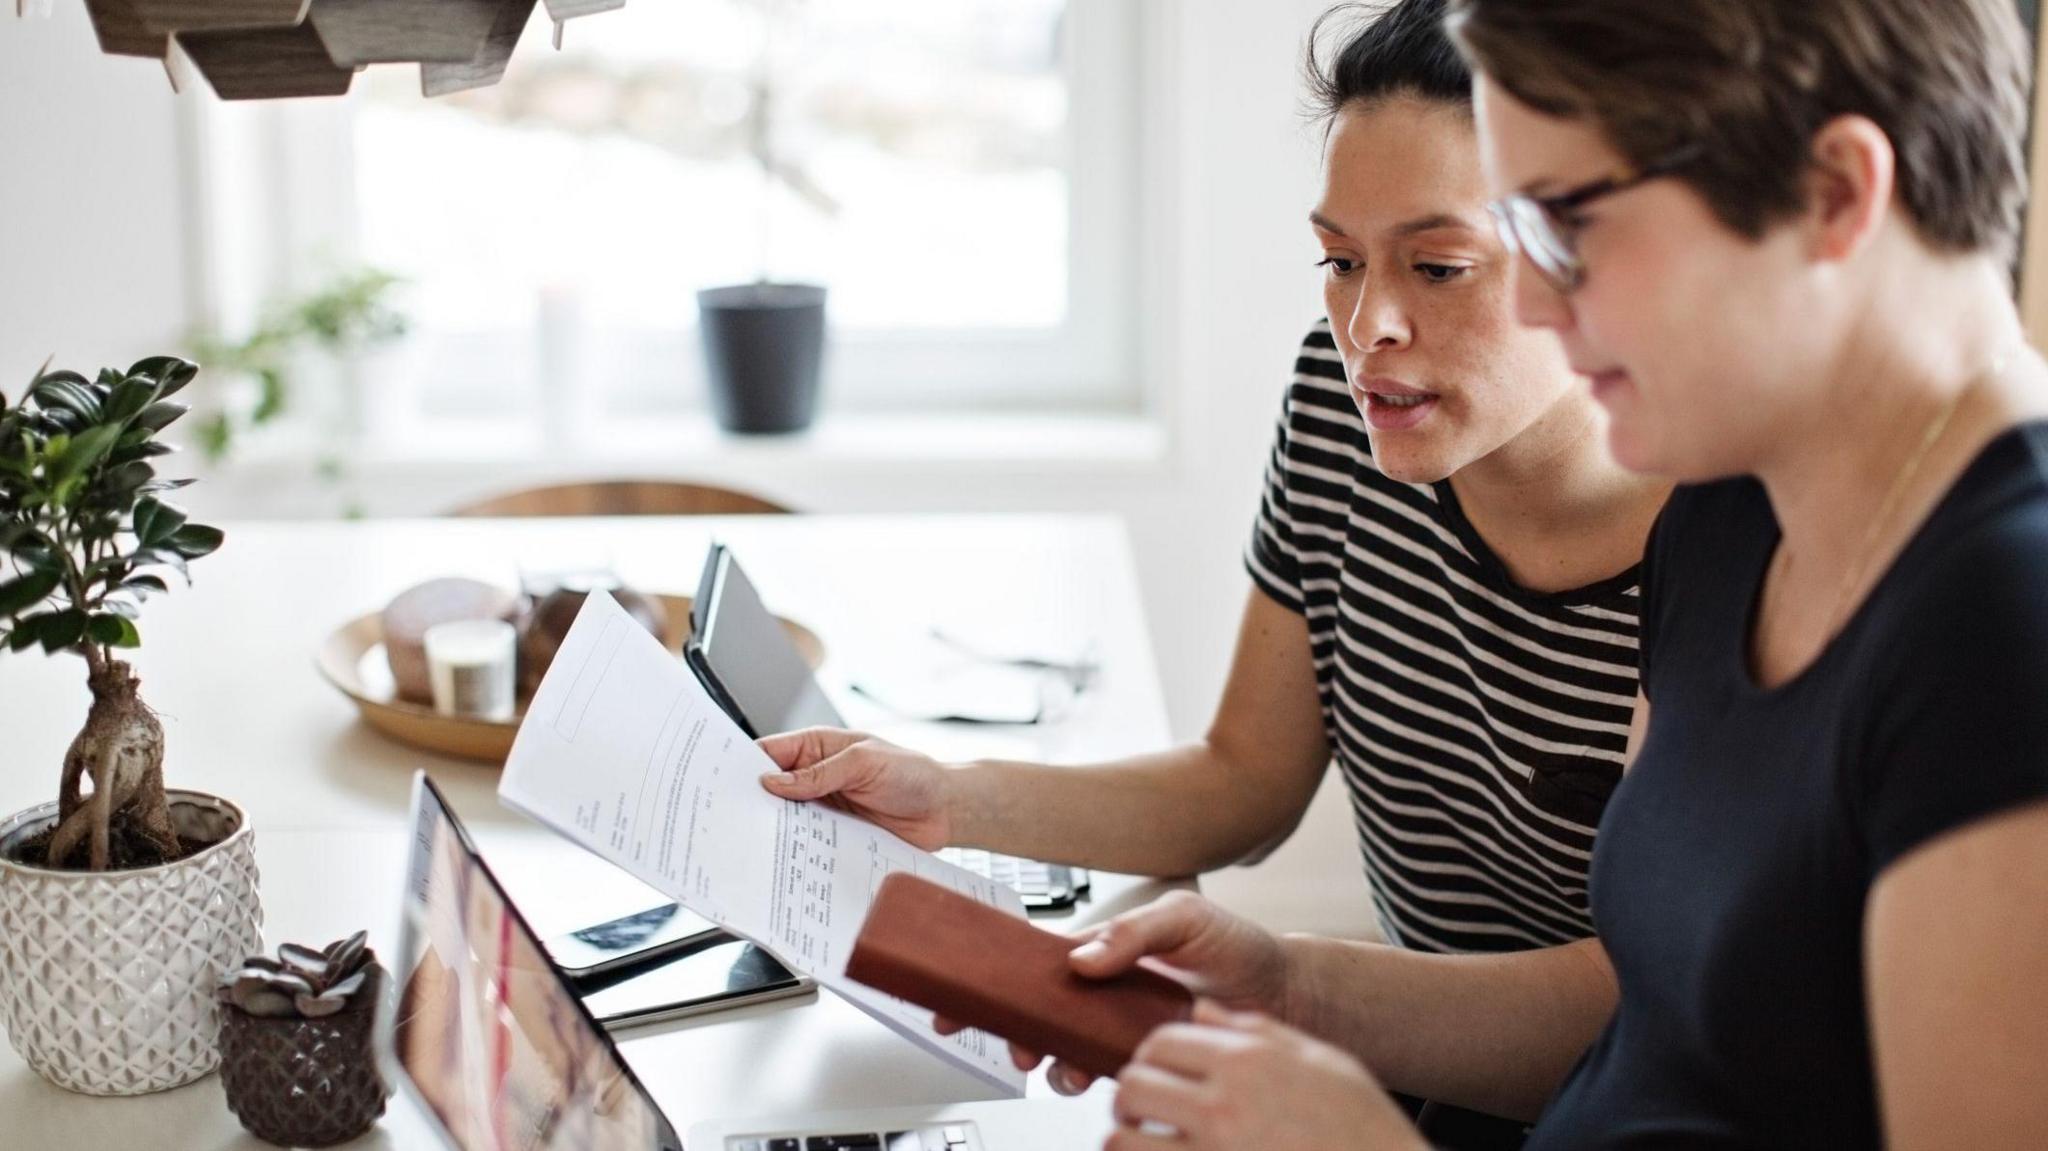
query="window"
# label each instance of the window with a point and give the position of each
(959, 173)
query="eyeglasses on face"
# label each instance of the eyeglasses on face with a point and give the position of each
(1541, 228)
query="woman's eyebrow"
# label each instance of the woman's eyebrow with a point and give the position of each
(1326, 224)
(1431, 223)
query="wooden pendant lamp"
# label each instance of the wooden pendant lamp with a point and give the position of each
(276, 49)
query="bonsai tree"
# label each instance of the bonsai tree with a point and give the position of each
(84, 534)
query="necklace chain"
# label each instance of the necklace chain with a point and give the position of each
(1853, 577)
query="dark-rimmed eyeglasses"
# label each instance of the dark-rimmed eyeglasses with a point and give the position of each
(1543, 229)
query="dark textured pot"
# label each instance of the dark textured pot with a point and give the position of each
(304, 1082)
(764, 346)
(545, 627)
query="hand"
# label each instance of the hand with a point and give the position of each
(1216, 954)
(888, 786)
(1237, 1079)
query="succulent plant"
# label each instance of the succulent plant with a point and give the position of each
(301, 983)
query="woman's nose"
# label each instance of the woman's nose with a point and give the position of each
(1377, 320)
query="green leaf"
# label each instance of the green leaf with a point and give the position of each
(127, 478)
(195, 540)
(62, 629)
(26, 591)
(142, 584)
(161, 557)
(59, 374)
(156, 521)
(130, 397)
(216, 437)
(114, 631)
(84, 451)
(130, 449)
(160, 415)
(269, 396)
(68, 392)
(126, 609)
(60, 420)
(27, 633)
(37, 557)
(169, 371)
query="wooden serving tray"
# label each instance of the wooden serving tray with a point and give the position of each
(352, 659)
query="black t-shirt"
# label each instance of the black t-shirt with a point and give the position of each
(1734, 861)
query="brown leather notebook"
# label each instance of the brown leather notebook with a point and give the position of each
(976, 965)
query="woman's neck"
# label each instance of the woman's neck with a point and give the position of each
(1553, 505)
(1931, 375)
(1946, 363)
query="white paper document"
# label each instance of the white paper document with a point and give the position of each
(624, 752)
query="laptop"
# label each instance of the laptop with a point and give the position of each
(492, 1042)
(744, 658)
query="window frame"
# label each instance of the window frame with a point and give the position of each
(272, 187)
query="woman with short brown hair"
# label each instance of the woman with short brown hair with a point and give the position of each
(1775, 236)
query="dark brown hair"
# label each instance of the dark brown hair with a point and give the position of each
(1385, 50)
(1749, 82)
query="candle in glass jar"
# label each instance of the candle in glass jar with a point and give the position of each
(471, 664)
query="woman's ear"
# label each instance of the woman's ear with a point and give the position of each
(1849, 187)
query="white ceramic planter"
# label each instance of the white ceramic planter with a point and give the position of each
(106, 979)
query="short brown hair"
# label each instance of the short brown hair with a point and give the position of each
(1749, 82)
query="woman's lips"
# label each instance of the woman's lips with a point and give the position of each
(1608, 384)
(1390, 412)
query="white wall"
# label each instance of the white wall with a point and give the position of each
(92, 263)
(93, 266)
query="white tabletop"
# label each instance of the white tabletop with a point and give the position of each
(229, 665)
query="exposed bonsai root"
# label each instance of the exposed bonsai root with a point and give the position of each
(121, 748)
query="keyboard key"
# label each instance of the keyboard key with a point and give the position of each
(864, 1141)
(785, 1145)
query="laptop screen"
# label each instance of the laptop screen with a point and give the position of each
(486, 1033)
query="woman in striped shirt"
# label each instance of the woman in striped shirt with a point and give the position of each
(1444, 565)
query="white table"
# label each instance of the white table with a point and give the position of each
(229, 665)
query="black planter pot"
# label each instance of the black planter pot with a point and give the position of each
(763, 347)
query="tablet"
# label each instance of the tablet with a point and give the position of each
(750, 666)
(746, 660)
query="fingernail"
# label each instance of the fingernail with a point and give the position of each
(1092, 951)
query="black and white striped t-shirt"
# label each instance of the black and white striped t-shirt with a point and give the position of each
(1479, 725)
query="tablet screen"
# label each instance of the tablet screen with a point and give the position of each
(486, 1031)
(754, 659)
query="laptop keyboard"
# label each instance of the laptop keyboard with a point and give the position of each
(937, 1137)
(1040, 884)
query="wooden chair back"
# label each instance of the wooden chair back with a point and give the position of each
(624, 498)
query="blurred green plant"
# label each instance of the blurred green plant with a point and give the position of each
(348, 315)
